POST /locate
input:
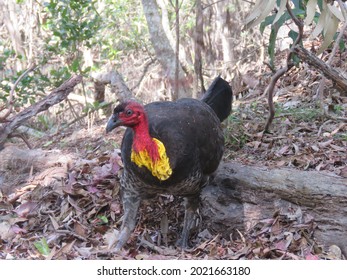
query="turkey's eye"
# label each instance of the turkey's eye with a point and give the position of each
(129, 112)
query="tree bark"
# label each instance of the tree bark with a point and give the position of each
(11, 23)
(222, 20)
(198, 46)
(177, 50)
(117, 83)
(240, 196)
(166, 26)
(163, 49)
(56, 96)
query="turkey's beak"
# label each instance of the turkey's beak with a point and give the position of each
(112, 123)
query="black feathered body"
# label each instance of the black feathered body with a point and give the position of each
(192, 135)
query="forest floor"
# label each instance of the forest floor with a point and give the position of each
(73, 211)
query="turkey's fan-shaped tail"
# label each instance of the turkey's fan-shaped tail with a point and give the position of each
(219, 97)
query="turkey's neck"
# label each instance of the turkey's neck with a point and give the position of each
(143, 141)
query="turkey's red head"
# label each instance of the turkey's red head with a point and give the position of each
(129, 114)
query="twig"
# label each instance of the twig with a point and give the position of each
(159, 250)
(216, 2)
(72, 109)
(321, 127)
(92, 110)
(279, 73)
(11, 97)
(145, 69)
(21, 136)
(68, 232)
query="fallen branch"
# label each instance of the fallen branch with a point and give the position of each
(56, 96)
(11, 97)
(328, 71)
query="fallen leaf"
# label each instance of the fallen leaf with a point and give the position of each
(54, 222)
(325, 144)
(276, 227)
(80, 229)
(24, 209)
(16, 229)
(311, 257)
(42, 246)
(315, 148)
(281, 245)
(111, 237)
(334, 253)
(283, 150)
(64, 249)
(338, 148)
(296, 148)
(5, 232)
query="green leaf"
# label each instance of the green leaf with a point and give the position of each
(42, 247)
(272, 45)
(47, 143)
(103, 219)
(75, 65)
(298, 4)
(293, 35)
(267, 21)
(296, 59)
(342, 46)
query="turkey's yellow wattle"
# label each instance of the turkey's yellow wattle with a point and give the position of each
(160, 168)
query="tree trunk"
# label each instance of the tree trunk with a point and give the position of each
(240, 196)
(166, 26)
(222, 20)
(177, 50)
(163, 49)
(198, 45)
(11, 23)
(210, 42)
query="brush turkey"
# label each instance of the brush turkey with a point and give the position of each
(170, 147)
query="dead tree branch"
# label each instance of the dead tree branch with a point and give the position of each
(328, 71)
(11, 97)
(117, 83)
(57, 95)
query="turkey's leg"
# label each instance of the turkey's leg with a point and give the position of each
(191, 205)
(131, 203)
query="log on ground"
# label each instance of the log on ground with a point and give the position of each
(240, 196)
